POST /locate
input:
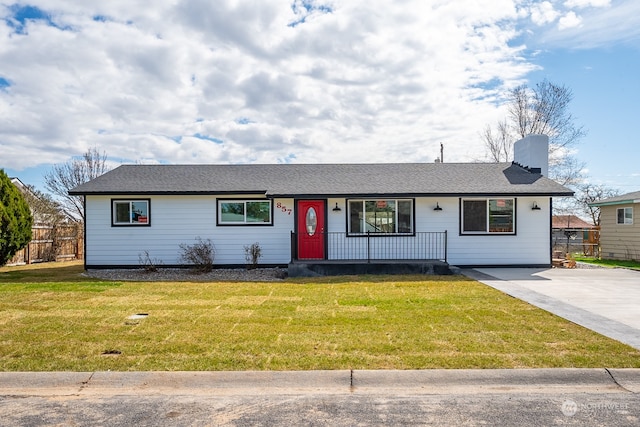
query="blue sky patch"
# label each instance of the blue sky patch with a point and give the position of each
(305, 8)
(208, 138)
(22, 15)
(288, 159)
(4, 83)
(244, 121)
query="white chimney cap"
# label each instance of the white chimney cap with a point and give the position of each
(532, 152)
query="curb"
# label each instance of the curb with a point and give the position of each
(438, 381)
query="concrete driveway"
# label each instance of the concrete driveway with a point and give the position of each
(602, 299)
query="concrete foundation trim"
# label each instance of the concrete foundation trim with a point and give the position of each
(328, 268)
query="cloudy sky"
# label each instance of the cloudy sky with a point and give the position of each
(276, 81)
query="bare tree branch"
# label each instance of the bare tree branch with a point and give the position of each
(588, 193)
(44, 209)
(541, 110)
(63, 177)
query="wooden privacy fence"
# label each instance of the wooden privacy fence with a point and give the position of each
(52, 243)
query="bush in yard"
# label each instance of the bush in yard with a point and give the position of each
(200, 254)
(149, 265)
(252, 253)
(15, 219)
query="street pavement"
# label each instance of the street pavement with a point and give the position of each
(603, 300)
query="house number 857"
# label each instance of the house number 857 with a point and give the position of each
(283, 208)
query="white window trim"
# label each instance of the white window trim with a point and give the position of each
(244, 222)
(131, 223)
(625, 222)
(488, 221)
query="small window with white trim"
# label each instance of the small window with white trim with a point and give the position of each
(625, 216)
(130, 212)
(244, 212)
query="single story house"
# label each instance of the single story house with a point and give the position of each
(619, 232)
(465, 214)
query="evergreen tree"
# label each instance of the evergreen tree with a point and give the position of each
(15, 219)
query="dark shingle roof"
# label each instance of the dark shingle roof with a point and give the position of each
(325, 180)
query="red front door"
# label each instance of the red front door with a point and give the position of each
(311, 225)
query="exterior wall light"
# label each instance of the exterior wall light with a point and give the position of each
(535, 207)
(337, 208)
(437, 208)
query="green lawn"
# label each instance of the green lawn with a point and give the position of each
(52, 318)
(633, 265)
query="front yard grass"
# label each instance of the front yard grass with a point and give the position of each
(54, 319)
(633, 265)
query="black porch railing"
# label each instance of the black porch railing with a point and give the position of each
(340, 246)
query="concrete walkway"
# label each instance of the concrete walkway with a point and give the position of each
(601, 299)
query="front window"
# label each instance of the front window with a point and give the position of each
(244, 212)
(130, 212)
(484, 216)
(625, 215)
(381, 216)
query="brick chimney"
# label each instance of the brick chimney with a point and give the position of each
(533, 152)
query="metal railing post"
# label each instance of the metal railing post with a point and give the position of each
(421, 246)
(445, 245)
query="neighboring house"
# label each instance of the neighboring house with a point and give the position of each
(571, 234)
(467, 214)
(44, 212)
(54, 234)
(619, 226)
(27, 194)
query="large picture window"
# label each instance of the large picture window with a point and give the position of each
(244, 212)
(488, 216)
(381, 216)
(625, 215)
(130, 212)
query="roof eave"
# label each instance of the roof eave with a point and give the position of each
(413, 194)
(321, 195)
(618, 202)
(164, 193)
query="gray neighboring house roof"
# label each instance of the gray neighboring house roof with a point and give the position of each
(624, 199)
(322, 180)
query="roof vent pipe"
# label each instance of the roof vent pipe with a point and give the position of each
(532, 152)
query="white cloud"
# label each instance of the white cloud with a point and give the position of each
(194, 81)
(570, 20)
(619, 23)
(581, 4)
(543, 13)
